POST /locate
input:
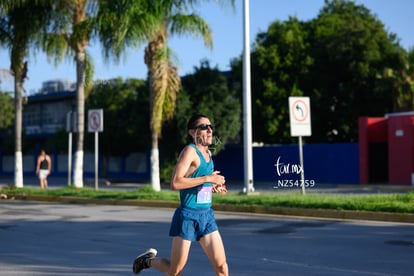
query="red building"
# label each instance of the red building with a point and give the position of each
(386, 149)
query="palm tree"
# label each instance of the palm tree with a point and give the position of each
(71, 32)
(164, 83)
(21, 25)
(155, 21)
(78, 41)
(170, 18)
(401, 82)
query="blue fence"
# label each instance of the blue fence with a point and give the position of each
(322, 163)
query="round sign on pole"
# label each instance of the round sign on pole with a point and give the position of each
(95, 120)
(299, 112)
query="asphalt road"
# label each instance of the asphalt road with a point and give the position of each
(70, 239)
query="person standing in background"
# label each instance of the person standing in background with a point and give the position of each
(43, 168)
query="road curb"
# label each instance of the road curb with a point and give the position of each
(320, 213)
(256, 209)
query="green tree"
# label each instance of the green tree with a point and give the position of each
(335, 59)
(6, 115)
(125, 104)
(280, 67)
(281, 62)
(209, 91)
(409, 75)
(21, 26)
(351, 48)
(401, 83)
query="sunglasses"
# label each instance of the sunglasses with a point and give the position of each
(204, 127)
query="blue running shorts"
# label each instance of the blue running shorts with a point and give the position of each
(192, 224)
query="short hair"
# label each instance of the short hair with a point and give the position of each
(192, 122)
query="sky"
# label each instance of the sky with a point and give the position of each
(227, 27)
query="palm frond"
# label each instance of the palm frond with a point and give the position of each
(193, 25)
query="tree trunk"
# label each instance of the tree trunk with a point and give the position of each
(80, 108)
(155, 164)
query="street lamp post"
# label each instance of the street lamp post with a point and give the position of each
(247, 127)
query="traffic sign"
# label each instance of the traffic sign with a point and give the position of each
(300, 116)
(95, 120)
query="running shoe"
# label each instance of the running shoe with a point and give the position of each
(141, 261)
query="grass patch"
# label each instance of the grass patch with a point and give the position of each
(146, 193)
(397, 203)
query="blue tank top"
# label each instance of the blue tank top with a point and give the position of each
(199, 197)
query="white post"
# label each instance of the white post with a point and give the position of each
(247, 133)
(302, 173)
(96, 160)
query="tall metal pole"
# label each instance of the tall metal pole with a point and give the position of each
(247, 133)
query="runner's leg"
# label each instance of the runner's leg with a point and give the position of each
(179, 255)
(212, 245)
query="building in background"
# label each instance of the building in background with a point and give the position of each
(45, 112)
